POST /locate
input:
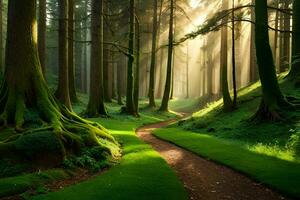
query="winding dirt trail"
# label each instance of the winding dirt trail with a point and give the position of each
(203, 179)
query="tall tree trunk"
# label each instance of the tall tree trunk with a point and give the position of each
(130, 79)
(187, 70)
(78, 49)
(42, 34)
(253, 63)
(119, 81)
(174, 52)
(287, 38)
(234, 102)
(160, 82)
(227, 101)
(96, 106)
(294, 74)
(153, 56)
(62, 92)
(106, 66)
(276, 32)
(1, 38)
(272, 99)
(285, 43)
(25, 89)
(71, 64)
(137, 68)
(166, 97)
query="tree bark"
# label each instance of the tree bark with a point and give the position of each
(62, 92)
(166, 97)
(227, 101)
(130, 67)
(153, 56)
(42, 34)
(136, 93)
(294, 74)
(71, 64)
(234, 102)
(272, 100)
(96, 105)
(253, 63)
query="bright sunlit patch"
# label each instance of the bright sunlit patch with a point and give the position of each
(35, 33)
(194, 3)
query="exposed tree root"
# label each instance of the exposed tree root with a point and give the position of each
(272, 112)
(71, 131)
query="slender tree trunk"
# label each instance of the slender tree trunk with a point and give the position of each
(1, 38)
(137, 68)
(276, 32)
(285, 43)
(174, 52)
(273, 99)
(106, 66)
(227, 101)
(119, 81)
(187, 70)
(71, 64)
(234, 102)
(153, 56)
(130, 79)
(42, 34)
(96, 106)
(287, 38)
(294, 74)
(160, 82)
(62, 92)
(84, 51)
(78, 49)
(167, 91)
(253, 63)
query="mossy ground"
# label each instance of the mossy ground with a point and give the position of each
(141, 171)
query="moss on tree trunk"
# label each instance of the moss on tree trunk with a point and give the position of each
(27, 104)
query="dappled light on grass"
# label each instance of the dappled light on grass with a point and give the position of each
(274, 151)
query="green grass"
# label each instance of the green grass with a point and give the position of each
(268, 152)
(142, 173)
(22, 183)
(279, 139)
(279, 174)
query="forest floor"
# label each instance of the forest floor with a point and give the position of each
(213, 153)
(266, 152)
(141, 173)
(204, 179)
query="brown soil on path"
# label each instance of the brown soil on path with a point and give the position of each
(203, 179)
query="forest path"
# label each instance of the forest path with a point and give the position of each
(203, 179)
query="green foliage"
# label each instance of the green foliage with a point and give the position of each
(9, 168)
(93, 159)
(20, 184)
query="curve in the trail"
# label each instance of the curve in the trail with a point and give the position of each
(203, 179)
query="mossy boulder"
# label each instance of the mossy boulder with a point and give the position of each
(44, 148)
